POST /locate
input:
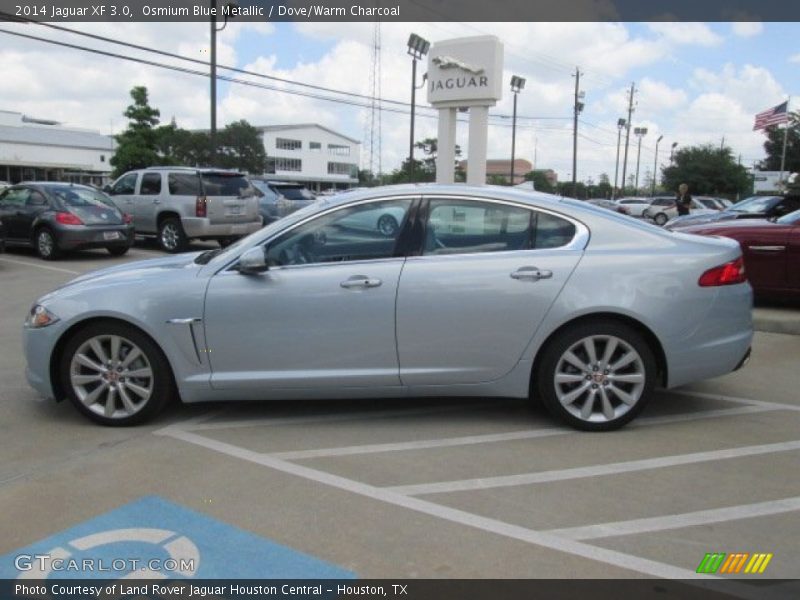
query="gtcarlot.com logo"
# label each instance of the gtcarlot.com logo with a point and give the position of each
(735, 563)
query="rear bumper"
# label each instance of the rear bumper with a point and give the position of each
(72, 239)
(198, 227)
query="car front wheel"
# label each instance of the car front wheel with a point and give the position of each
(115, 375)
(660, 219)
(596, 376)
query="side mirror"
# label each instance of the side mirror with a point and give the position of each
(253, 261)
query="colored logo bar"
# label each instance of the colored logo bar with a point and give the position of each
(736, 562)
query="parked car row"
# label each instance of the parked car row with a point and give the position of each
(173, 204)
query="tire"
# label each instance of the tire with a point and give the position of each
(108, 393)
(583, 392)
(118, 250)
(45, 244)
(388, 226)
(660, 219)
(171, 236)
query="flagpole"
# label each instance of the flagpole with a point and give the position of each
(785, 137)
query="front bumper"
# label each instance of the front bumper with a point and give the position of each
(198, 227)
(38, 347)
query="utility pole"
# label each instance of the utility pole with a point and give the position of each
(577, 110)
(213, 134)
(627, 136)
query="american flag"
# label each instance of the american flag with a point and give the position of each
(774, 116)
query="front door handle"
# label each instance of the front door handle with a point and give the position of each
(531, 273)
(360, 281)
(156, 201)
(767, 248)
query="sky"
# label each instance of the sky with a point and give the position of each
(696, 83)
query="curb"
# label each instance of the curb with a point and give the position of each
(773, 320)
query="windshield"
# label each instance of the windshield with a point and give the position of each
(790, 219)
(293, 192)
(756, 204)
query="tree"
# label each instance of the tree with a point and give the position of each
(137, 145)
(240, 146)
(707, 169)
(773, 146)
(604, 188)
(540, 181)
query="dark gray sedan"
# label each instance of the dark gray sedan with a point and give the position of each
(54, 217)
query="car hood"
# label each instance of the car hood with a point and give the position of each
(138, 270)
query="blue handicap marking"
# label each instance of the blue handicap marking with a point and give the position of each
(157, 538)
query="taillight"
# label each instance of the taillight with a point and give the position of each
(67, 218)
(200, 206)
(127, 219)
(728, 274)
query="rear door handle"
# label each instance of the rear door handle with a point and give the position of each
(531, 273)
(767, 248)
(360, 281)
(156, 201)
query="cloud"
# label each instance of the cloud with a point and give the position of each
(747, 28)
(690, 34)
(795, 58)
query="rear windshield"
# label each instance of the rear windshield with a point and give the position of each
(75, 197)
(293, 192)
(225, 184)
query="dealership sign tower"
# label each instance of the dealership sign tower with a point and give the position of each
(465, 73)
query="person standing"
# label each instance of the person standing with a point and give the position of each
(684, 200)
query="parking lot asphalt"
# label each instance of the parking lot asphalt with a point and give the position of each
(473, 488)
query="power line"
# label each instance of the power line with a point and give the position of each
(367, 98)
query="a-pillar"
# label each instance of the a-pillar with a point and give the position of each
(478, 140)
(446, 146)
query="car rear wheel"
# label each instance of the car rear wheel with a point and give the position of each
(660, 219)
(596, 376)
(115, 375)
(46, 245)
(171, 236)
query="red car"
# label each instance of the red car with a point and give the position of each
(771, 249)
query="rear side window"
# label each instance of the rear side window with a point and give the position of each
(552, 231)
(222, 184)
(183, 184)
(151, 184)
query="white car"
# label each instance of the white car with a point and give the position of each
(663, 208)
(635, 206)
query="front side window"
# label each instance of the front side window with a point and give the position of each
(15, 198)
(362, 232)
(125, 185)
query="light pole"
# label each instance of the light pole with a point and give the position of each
(655, 166)
(213, 74)
(517, 84)
(639, 132)
(672, 153)
(620, 126)
(417, 48)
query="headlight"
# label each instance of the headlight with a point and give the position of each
(39, 317)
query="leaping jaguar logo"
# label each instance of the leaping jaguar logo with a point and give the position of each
(448, 62)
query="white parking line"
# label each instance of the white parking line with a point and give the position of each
(690, 519)
(592, 471)
(38, 266)
(526, 434)
(546, 540)
(707, 396)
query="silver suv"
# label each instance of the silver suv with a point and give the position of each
(178, 204)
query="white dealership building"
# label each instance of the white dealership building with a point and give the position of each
(311, 154)
(41, 149)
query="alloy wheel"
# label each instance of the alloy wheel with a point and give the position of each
(599, 378)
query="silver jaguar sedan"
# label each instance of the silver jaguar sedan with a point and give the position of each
(480, 291)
